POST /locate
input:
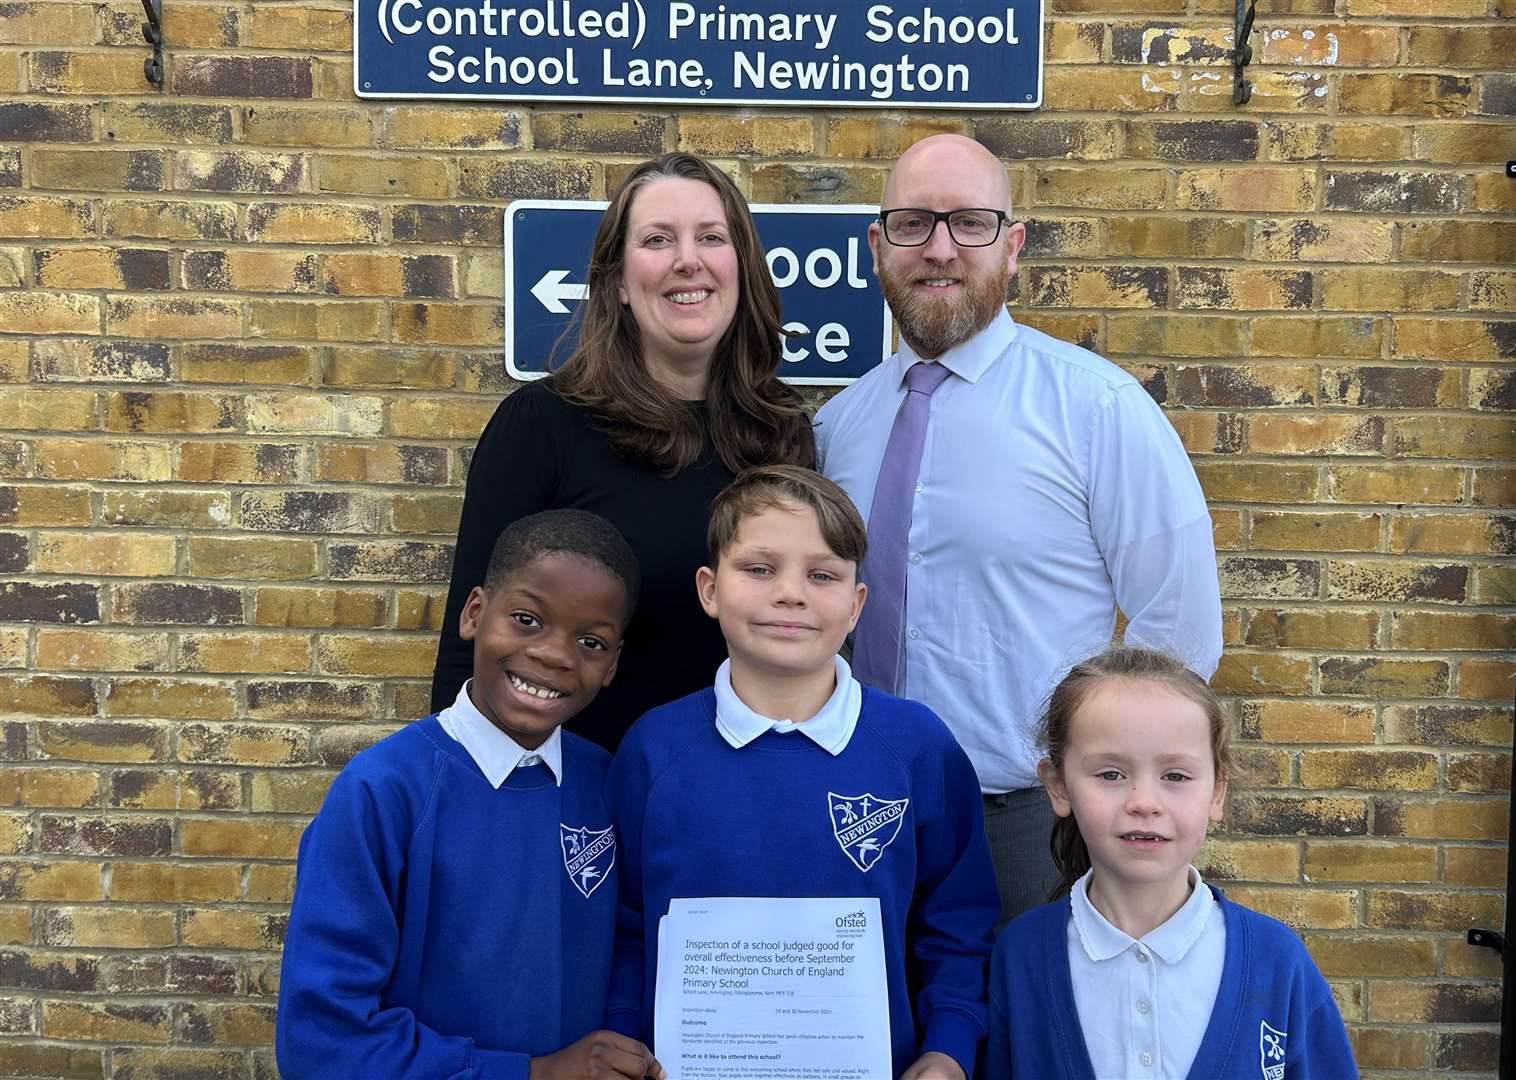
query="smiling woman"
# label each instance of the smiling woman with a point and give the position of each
(671, 391)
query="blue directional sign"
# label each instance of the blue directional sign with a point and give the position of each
(940, 54)
(818, 255)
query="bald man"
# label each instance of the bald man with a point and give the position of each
(1018, 489)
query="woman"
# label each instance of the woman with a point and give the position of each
(671, 390)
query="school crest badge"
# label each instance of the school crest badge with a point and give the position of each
(1271, 1042)
(864, 825)
(588, 855)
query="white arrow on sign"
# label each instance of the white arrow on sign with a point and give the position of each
(551, 291)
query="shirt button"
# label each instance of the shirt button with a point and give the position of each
(920, 487)
(1140, 956)
(1143, 1006)
(915, 633)
(1146, 1057)
(916, 557)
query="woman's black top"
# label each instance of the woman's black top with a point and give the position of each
(539, 452)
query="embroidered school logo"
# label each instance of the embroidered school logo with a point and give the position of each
(588, 855)
(1271, 1051)
(864, 825)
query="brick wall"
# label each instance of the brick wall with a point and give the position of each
(250, 328)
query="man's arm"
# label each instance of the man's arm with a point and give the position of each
(1150, 521)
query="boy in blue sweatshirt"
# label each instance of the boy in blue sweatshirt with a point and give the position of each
(455, 897)
(789, 779)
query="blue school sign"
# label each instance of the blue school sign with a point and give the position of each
(818, 255)
(941, 54)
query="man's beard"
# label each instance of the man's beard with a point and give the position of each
(933, 325)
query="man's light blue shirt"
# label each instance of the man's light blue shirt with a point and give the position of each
(1052, 489)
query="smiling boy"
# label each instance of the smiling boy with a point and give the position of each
(789, 779)
(455, 897)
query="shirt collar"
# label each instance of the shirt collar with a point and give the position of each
(1170, 942)
(495, 752)
(970, 359)
(831, 728)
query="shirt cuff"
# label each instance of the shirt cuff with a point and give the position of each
(951, 1033)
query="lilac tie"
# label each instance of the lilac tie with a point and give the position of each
(876, 640)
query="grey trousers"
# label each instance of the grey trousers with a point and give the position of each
(1018, 825)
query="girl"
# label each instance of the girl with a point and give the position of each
(1140, 969)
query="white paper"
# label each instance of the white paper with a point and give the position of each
(772, 989)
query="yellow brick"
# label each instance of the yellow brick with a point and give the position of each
(49, 313)
(1111, 90)
(1355, 336)
(40, 409)
(241, 463)
(228, 838)
(1336, 435)
(300, 28)
(430, 127)
(107, 1022)
(1371, 289)
(315, 414)
(169, 698)
(1249, 482)
(179, 883)
(444, 418)
(1294, 531)
(1373, 770)
(449, 324)
(231, 929)
(1315, 909)
(270, 884)
(1261, 673)
(394, 657)
(1124, 189)
(1454, 437)
(112, 926)
(279, 606)
(1455, 534)
(262, 558)
(316, 320)
(56, 879)
(1389, 1048)
(410, 369)
(1308, 722)
(419, 610)
(886, 137)
(1486, 680)
(1254, 188)
(764, 135)
(156, 317)
(101, 650)
(1404, 94)
(261, 653)
(1480, 867)
(1383, 955)
(1250, 860)
(289, 792)
(1402, 484)
(244, 744)
(1451, 339)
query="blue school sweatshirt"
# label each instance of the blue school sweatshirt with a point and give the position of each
(1274, 1017)
(437, 930)
(896, 815)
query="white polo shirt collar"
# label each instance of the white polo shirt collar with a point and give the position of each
(831, 728)
(495, 752)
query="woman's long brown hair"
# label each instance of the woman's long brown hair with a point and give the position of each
(753, 418)
(1133, 664)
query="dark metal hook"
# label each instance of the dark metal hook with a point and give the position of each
(1242, 54)
(152, 33)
